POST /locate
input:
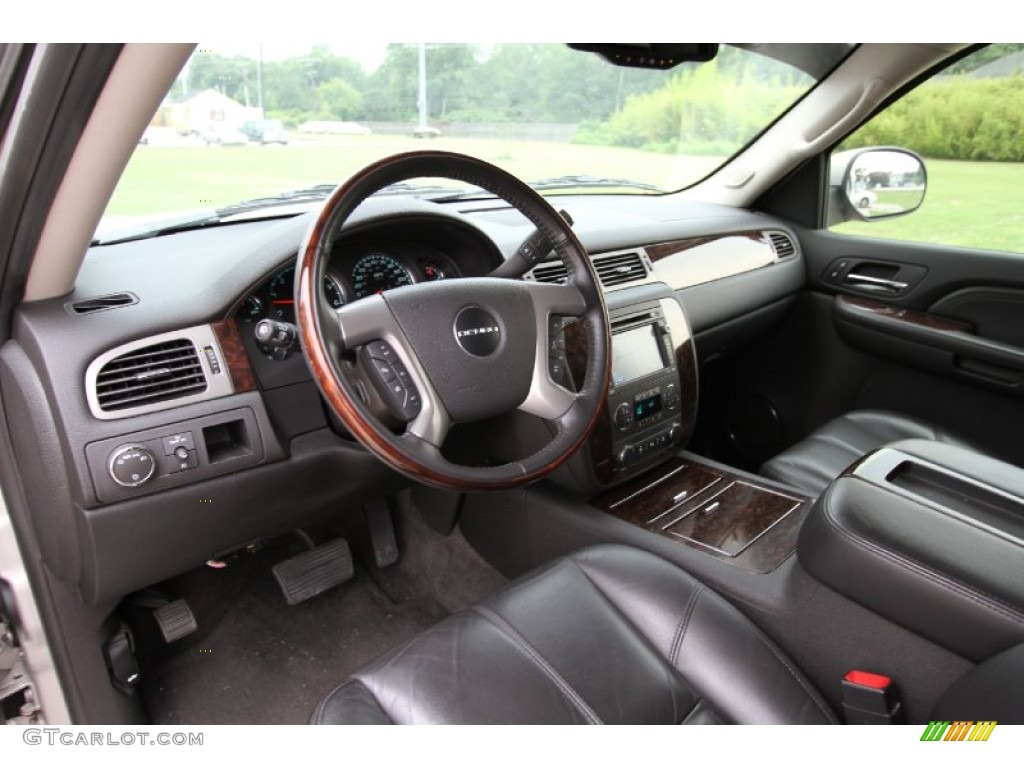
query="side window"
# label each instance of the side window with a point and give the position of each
(967, 122)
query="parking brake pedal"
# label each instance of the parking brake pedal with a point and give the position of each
(382, 533)
(310, 573)
(175, 620)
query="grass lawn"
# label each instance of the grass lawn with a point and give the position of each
(978, 205)
(971, 204)
(187, 177)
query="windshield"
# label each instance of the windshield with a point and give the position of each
(250, 122)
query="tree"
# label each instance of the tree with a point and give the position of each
(338, 100)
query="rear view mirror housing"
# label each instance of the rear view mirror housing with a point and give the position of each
(650, 55)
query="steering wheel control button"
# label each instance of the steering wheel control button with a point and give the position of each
(391, 379)
(477, 332)
(385, 370)
(131, 465)
(381, 350)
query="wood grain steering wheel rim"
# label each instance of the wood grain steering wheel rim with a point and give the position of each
(418, 322)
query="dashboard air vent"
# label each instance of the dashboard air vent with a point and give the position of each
(619, 268)
(783, 245)
(550, 272)
(164, 371)
(100, 303)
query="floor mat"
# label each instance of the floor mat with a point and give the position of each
(257, 660)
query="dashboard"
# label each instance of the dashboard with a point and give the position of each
(251, 449)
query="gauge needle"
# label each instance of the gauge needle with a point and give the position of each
(283, 301)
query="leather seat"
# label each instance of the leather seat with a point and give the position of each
(820, 458)
(610, 634)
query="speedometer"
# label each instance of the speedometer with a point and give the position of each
(376, 272)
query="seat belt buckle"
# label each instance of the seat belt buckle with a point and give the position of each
(870, 699)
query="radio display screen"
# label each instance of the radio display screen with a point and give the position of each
(647, 407)
(635, 353)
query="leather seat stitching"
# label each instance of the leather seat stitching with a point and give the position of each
(811, 693)
(698, 705)
(543, 664)
(684, 624)
(914, 566)
(318, 713)
(837, 443)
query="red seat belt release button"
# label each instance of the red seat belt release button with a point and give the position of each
(870, 699)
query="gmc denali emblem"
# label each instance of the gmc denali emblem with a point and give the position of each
(477, 332)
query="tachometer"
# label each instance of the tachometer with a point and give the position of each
(282, 295)
(376, 272)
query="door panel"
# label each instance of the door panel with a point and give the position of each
(949, 349)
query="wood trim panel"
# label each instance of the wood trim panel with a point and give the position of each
(912, 316)
(235, 356)
(660, 251)
(754, 526)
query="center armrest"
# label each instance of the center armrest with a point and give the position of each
(931, 536)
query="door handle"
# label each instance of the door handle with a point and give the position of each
(877, 284)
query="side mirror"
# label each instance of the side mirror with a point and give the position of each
(876, 183)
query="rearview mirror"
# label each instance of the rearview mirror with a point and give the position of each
(876, 183)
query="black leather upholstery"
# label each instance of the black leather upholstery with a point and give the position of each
(608, 635)
(956, 577)
(990, 691)
(816, 461)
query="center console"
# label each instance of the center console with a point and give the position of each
(930, 536)
(652, 396)
(644, 393)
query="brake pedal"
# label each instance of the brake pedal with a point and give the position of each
(310, 573)
(175, 620)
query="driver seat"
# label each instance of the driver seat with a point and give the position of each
(611, 634)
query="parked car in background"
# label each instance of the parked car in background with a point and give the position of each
(334, 127)
(224, 135)
(265, 131)
(426, 132)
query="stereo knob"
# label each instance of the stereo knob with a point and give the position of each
(626, 455)
(623, 415)
(131, 465)
(674, 433)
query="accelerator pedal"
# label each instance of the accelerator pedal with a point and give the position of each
(310, 573)
(382, 533)
(175, 620)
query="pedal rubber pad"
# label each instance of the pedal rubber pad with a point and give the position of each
(310, 573)
(175, 620)
(382, 533)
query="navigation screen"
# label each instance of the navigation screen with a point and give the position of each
(635, 353)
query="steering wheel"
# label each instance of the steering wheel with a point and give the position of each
(454, 351)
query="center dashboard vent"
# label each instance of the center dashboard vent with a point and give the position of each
(165, 371)
(612, 269)
(619, 268)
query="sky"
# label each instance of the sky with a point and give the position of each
(519, 21)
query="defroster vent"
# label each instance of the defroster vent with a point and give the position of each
(165, 371)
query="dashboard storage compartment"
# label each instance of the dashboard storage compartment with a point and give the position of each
(930, 536)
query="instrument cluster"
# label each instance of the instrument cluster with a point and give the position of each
(354, 273)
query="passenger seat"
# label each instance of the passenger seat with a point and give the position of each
(821, 457)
